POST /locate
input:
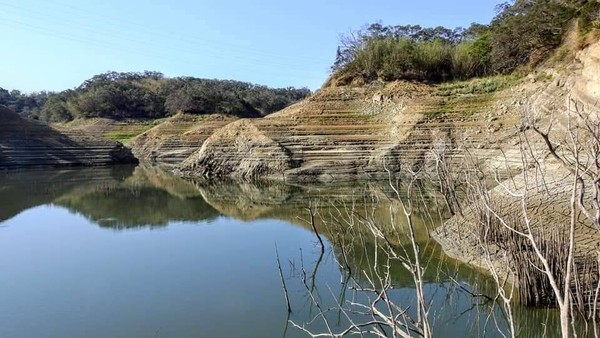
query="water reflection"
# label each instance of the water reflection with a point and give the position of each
(118, 197)
(123, 197)
(22, 190)
(144, 198)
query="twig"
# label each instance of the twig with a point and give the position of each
(285, 290)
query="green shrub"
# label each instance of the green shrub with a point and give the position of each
(589, 16)
(433, 60)
(524, 33)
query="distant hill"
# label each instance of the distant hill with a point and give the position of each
(151, 95)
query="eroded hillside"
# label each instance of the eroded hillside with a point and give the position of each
(341, 132)
(347, 132)
(27, 143)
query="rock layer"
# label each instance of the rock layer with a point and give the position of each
(239, 150)
(174, 140)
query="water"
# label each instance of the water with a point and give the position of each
(135, 252)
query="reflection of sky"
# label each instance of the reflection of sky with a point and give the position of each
(62, 275)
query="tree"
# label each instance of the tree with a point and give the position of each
(150, 95)
(55, 110)
(526, 31)
(523, 33)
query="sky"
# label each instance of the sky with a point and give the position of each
(57, 44)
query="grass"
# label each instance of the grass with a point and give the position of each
(435, 113)
(463, 105)
(125, 132)
(544, 77)
(560, 54)
(483, 85)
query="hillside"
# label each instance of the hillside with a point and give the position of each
(360, 131)
(346, 132)
(27, 143)
(563, 109)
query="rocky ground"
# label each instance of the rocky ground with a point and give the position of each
(340, 133)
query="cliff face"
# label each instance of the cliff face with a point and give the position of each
(25, 143)
(587, 84)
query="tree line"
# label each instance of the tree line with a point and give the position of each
(524, 32)
(151, 95)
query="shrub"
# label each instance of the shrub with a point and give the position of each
(524, 32)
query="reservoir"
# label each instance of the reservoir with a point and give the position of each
(138, 252)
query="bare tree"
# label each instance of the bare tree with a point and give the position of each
(512, 223)
(530, 250)
(373, 308)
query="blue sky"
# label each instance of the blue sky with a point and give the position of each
(57, 44)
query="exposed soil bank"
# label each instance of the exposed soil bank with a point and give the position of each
(25, 143)
(540, 191)
(249, 154)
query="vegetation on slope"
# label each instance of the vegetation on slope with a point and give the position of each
(524, 32)
(151, 95)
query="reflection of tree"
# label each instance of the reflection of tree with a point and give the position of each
(116, 197)
(136, 206)
(21, 190)
(148, 197)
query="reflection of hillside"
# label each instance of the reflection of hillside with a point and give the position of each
(254, 200)
(247, 201)
(334, 204)
(343, 214)
(361, 255)
(126, 197)
(161, 179)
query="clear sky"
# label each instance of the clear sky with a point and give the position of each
(57, 44)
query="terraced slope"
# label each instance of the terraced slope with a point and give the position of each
(116, 130)
(25, 143)
(177, 138)
(348, 133)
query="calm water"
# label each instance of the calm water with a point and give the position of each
(134, 252)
